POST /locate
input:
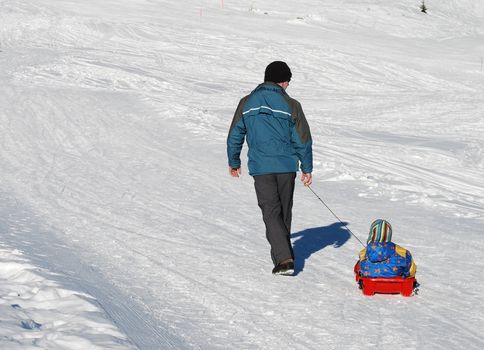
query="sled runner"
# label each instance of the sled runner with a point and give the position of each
(385, 285)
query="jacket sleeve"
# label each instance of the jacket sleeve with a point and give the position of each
(362, 254)
(411, 267)
(301, 138)
(236, 136)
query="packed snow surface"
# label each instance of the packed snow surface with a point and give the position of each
(37, 313)
(120, 227)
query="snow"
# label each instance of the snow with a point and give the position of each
(120, 227)
(38, 313)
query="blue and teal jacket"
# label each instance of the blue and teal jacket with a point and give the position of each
(276, 130)
(386, 259)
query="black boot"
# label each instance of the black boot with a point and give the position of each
(285, 268)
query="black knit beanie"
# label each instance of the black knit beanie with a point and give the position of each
(277, 72)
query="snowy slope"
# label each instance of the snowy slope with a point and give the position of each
(112, 145)
(36, 313)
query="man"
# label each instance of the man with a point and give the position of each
(279, 138)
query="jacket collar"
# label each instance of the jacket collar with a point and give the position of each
(269, 85)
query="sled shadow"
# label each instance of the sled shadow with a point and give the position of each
(315, 239)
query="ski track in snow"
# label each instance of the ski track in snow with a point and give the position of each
(60, 264)
(114, 118)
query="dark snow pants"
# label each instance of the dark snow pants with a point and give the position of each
(275, 194)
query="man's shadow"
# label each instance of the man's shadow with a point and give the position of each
(315, 239)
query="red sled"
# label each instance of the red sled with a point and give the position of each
(385, 285)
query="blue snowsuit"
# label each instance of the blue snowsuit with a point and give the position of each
(386, 259)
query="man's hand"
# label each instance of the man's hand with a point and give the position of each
(235, 172)
(307, 179)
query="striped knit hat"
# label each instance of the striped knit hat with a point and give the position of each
(380, 231)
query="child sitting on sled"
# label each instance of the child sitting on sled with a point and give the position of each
(382, 257)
